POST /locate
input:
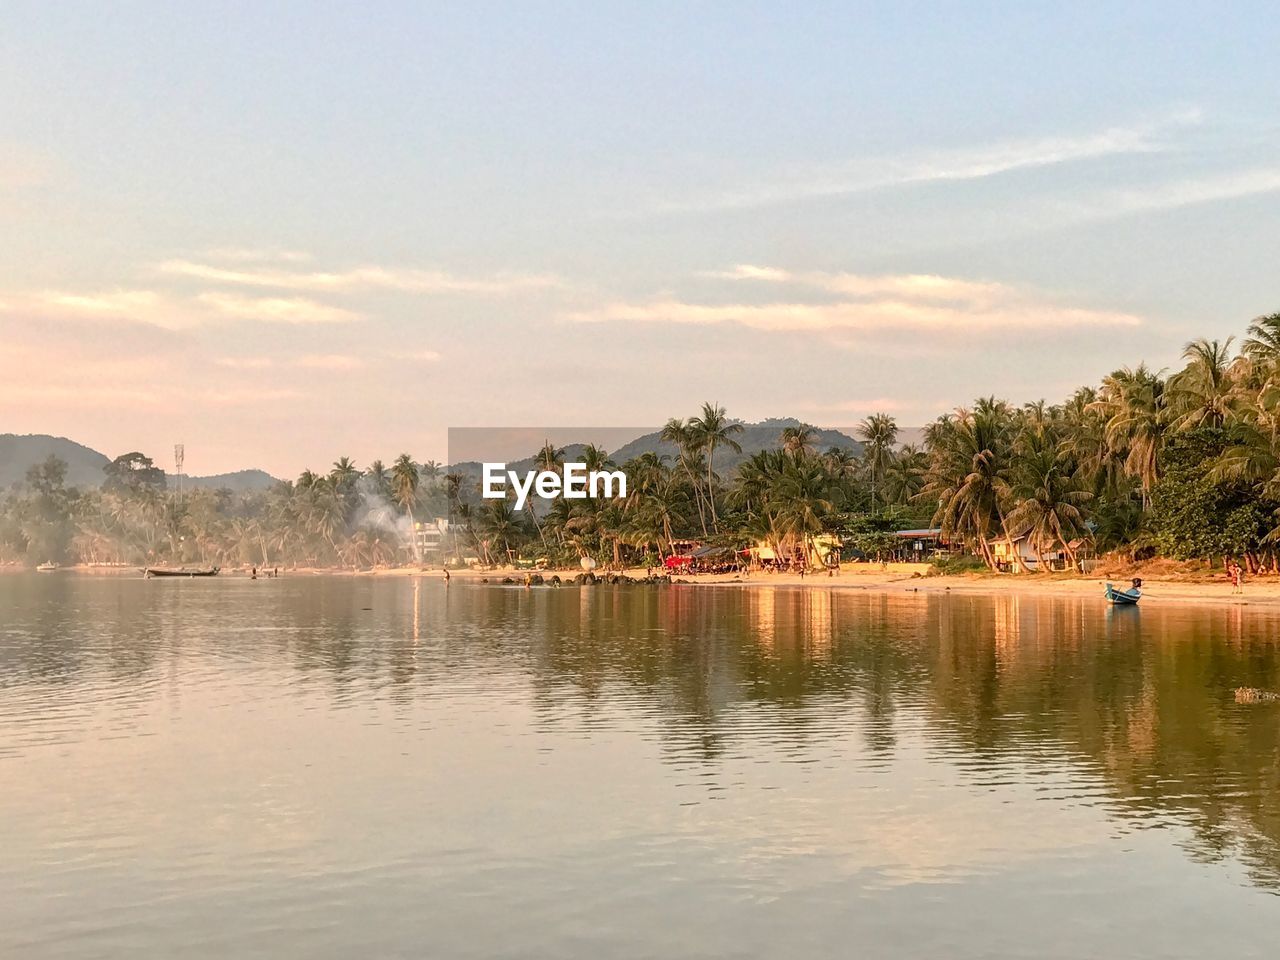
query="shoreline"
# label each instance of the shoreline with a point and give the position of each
(1202, 591)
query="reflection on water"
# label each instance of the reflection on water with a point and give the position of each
(320, 767)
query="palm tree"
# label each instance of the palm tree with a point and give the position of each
(804, 504)
(905, 475)
(1204, 394)
(966, 478)
(379, 479)
(798, 440)
(1134, 402)
(1262, 346)
(879, 432)
(1047, 499)
(550, 457)
(404, 488)
(499, 528)
(714, 429)
(682, 436)
(344, 477)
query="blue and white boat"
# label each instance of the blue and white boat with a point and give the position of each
(1125, 597)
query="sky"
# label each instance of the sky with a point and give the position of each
(284, 232)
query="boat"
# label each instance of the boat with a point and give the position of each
(1125, 598)
(47, 566)
(181, 572)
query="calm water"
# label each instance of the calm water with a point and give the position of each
(359, 768)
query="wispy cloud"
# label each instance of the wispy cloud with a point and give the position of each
(972, 162)
(245, 363)
(257, 255)
(360, 278)
(322, 361)
(848, 303)
(1183, 192)
(424, 356)
(915, 286)
(287, 310)
(329, 361)
(149, 307)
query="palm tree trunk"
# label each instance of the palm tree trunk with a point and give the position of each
(1013, 550)
(711, 490)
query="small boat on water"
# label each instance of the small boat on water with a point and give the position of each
(1125, 598)
(181, 572)
(47, 566)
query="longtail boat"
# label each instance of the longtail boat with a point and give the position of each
(181, 572)
(1125, 598)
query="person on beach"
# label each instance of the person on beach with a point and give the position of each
(445, 571)
(1237, 577)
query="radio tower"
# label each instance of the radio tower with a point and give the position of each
(179, 455)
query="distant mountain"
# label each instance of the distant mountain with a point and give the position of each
(911, 436)
(19, 452)
(765, 435)
(242, 481)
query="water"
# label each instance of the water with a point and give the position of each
(337, 767)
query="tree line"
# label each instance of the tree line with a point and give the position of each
(1182, 464)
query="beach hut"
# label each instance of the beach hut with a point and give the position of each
(1054, 559)
(921, 545)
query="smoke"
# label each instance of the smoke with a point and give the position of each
(379, 513)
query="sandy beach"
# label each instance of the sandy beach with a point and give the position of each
(1181, 588)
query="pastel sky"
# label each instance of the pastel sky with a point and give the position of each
(285, 232)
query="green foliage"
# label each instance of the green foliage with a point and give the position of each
(868, 535)
(1196, 516)
(1187, 463)
(959, 564)
(133, 473)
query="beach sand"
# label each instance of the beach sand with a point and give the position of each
(1205, 588)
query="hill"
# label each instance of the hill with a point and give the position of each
(765, 435)
(19, 452)
(754, 437)
(241, 481)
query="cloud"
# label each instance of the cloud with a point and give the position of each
(322, 361)
(360, 278)
(288, 310)
(148, 307)
(1181, 193)
(257, 255)
(912, 286)
(845, 303)
(959, 164)
(245, 363)
(329, 361)
(171, 312)
(310, 361)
